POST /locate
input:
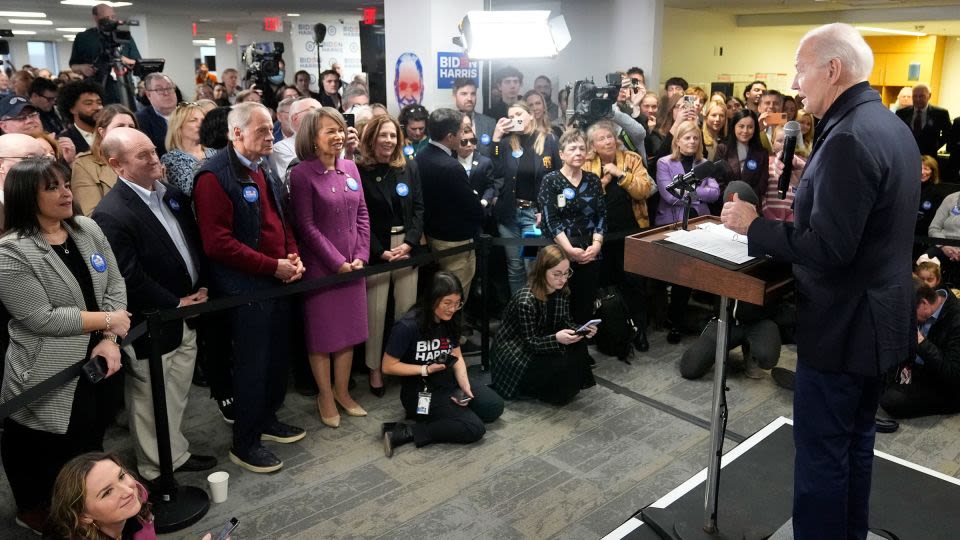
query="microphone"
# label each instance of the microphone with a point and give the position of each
(743, 190)
(699, 172)
(319, 33)
(791, 130)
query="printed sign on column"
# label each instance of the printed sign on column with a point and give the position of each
(454, 65)
(341, 47)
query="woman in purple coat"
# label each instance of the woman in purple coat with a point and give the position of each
(333, 231)
(685, 156)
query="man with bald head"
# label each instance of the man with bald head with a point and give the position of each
(930, 124)
(154, 236)
(850, 246)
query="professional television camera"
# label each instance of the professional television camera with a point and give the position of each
(591, 103)
(263, 59)
(112, 39)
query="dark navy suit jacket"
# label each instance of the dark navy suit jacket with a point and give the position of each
(155, 127)
(851, 239)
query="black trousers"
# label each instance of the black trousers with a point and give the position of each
(763, 338)
(632, 286)
(215, 354)
(557, 379)
(261, 340)
(583, 290)
(915, 400)
(449, 422)
(32, 458)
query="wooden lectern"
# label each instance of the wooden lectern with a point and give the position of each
(649, 254)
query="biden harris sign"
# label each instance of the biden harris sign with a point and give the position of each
(454, 65)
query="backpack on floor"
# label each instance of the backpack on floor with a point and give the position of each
(616, 330)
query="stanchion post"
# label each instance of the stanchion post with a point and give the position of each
(483, 258)
(175, 507)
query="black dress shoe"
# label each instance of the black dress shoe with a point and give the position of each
(885, 425)
(282, 433)
(783, 377)
(378, 391)
(399, 434)
(640, 342)
(674, 336)
(258, 459)
(196, 462)
(386, 426)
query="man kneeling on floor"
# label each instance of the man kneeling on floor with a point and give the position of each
(930, 383)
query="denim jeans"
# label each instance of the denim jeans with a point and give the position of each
(516, 266)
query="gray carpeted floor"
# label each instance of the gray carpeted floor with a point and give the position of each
(540, 472)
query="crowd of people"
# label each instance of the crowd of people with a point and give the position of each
(109, 212)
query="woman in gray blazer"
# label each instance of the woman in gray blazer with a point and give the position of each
(67, 301)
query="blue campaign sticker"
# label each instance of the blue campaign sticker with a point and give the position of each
(955, 210)
(98, 262)
(174, 205)
(517, 153)
(402, 189)
(250, 194)
(408, 150)
(485, 139)
(352, 184)
(569, 194)
(751, 164)
(927, 205)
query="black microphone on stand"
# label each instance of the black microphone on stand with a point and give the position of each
(791, 130)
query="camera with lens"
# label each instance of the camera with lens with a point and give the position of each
(110, 33)
(263, 59)
(591, 102)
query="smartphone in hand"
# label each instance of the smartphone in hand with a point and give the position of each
(227, 528)
(585, 328)
(461, 396)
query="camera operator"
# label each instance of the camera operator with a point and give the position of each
(91, 55)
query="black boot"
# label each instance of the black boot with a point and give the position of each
(400, 434)
(674, 333)
(640, 342)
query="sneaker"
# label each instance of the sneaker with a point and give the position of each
(258, 459)
(226, 410)
(32, 520)
(752, 370)
(282, 433)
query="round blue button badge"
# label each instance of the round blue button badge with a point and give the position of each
(927, 205)
(98, 262)
(408, 150)
(485, 139)
(352, 184)
(174, 205)
(517, 153)
(250, 194)
(751, 164)
(402, 189)
(955, 211)
(569, 194)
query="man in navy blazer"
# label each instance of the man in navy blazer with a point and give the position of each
(850, 246)
(162, 94)
(930, 125)
(153, 234)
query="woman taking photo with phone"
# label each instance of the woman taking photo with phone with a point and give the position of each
(424, 350)
(575, 216)
(522, 156)
(67, 302)
(537, 351)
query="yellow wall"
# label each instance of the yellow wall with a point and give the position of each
(950, 78)
(691, 39)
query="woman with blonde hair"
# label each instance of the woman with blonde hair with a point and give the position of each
(714, 127)
(537, 351)
(538, 108)
(184, 154)
(92, 178)
(391, 187)
(805, 141)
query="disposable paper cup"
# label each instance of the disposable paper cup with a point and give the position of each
(218, 485)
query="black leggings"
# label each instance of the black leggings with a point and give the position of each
(915, 400)
(558, 378)
(449, 422)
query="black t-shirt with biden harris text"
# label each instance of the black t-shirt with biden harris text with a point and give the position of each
(412, 346)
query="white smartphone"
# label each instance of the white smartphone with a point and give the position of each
(583, 330)
(517, 124)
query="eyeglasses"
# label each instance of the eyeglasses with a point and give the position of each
(50, 99)
(164, 90)
(562, 275)
(468, 142)
(23, 117)
(447, 304)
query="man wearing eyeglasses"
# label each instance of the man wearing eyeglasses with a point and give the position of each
(17, 115)
(43, 97)
(162, 94)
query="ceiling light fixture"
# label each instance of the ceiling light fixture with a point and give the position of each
(534, 34)
(91, 3)
(889, 31)
(71, 30)
(25, 14)
(36, 22)
(293, 14)
(24, 33)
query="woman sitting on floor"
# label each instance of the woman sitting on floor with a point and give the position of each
(423, 349)
(537, 351)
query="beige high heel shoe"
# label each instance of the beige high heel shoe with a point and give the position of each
(351, 411)
(333, 421)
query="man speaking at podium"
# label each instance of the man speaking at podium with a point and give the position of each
(850, 245)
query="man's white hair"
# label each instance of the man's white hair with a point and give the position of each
(241, 115)
(843, 42)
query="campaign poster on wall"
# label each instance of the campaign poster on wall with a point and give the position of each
(454, 65)
(340, 47)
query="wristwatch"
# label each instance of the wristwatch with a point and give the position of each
(113, 338)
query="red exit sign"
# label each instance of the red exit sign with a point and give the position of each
(272, 24)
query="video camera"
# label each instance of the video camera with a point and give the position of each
(263, 59)
(111, 35)
(592, 103)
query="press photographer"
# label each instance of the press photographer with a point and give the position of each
(265, 70)
(99, 50)
(592, 103)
